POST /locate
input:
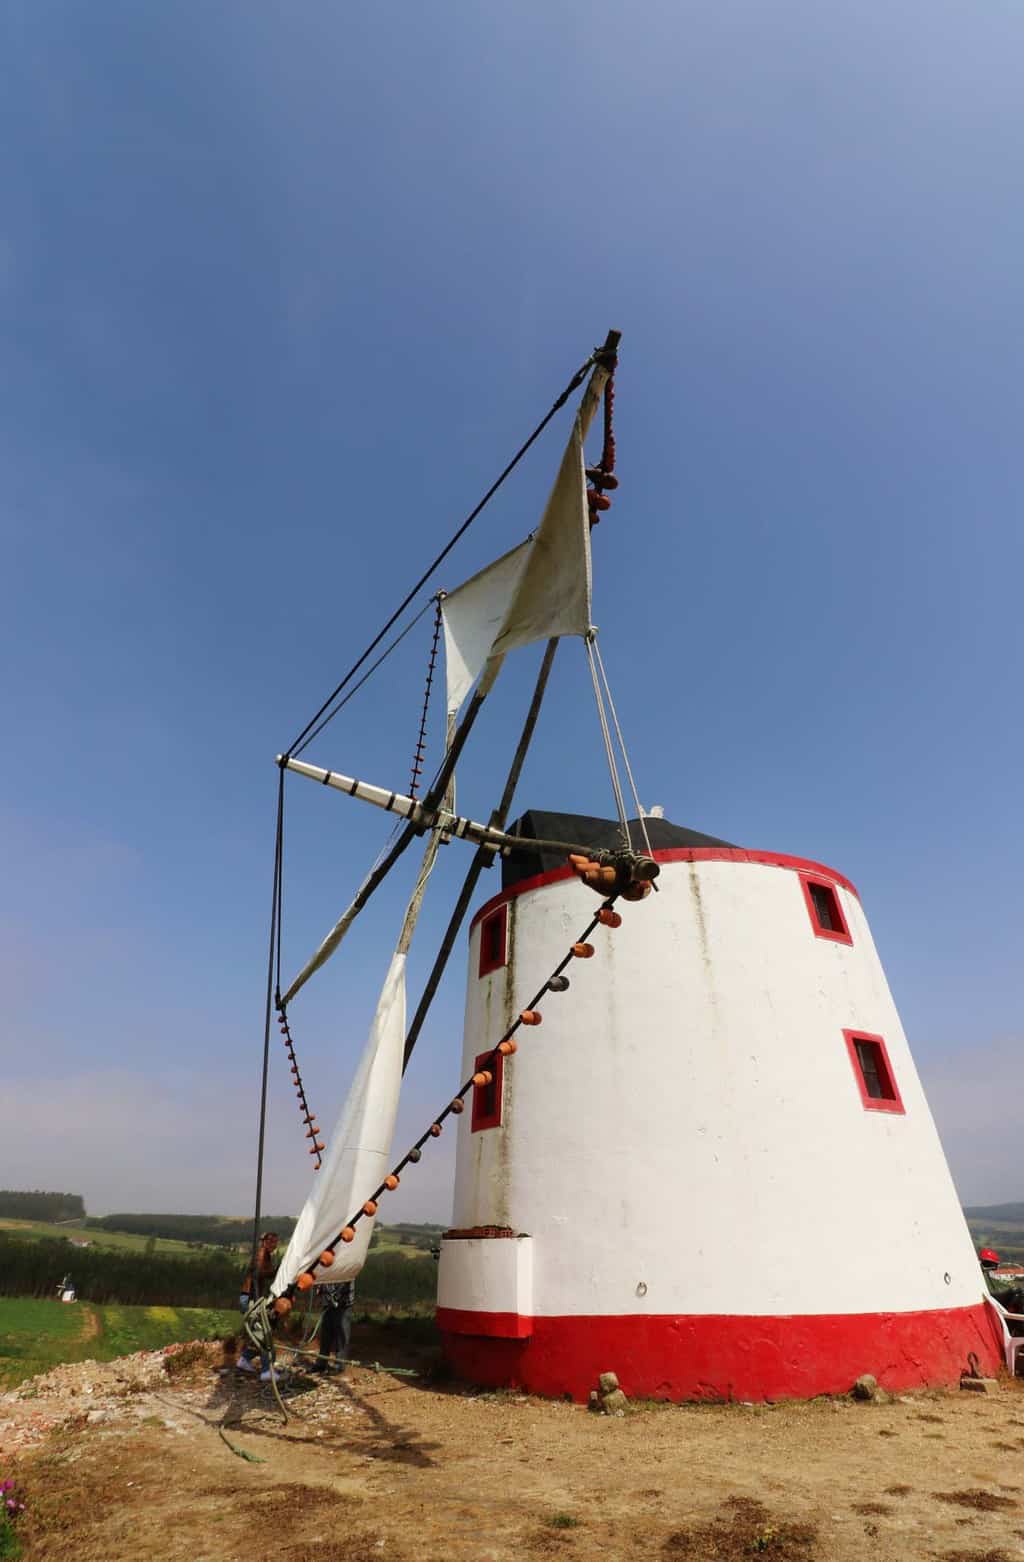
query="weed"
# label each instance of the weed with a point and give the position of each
(11, 1509)
(975, 1556)
(984, 1501)
(178, 1361)
(744, 1528)
(563, 1521)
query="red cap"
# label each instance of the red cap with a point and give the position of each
(987, 1256)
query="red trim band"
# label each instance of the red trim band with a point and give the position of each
(678, 854)
(504, 1326)
(716, 1357)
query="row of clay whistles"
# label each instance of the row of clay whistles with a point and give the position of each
(312, 1132)
(603, 879)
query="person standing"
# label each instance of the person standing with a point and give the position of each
(335, 1324)
(256, 1283)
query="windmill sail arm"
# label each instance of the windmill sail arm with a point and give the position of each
(455, 825)
(326, 949)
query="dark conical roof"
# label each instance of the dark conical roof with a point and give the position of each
(583, 830)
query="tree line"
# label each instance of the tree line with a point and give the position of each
(217, 1230)
(209, 1279)
(20, 1205)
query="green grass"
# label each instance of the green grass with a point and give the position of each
(126, 1241)
(393, 1239)
(10, 1545)
(37, 1335)
(391, 1242)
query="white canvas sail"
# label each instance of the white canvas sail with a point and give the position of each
(474, 615)
(357, 1155)
(540, 590)
(356, 1161)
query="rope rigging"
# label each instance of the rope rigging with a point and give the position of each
(421, 739)
(610, 873)
(603, 693)
(396, 642)
(312, 1131)
(559, 402)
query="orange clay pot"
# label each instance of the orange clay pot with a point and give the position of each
(370, 1207)
(435, 1130)
(348, 1234)
(304, 1282)
(391, 1181)
(458, 1105)
(609, 918)
(282, 1306)
(531, 1017)
(506, 1048)
(583, 951)
(326, 1258)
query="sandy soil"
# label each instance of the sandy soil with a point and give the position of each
(126, 1461)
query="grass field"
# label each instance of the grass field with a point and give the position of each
(124, 1240)
(37, 1335)
(389, 1237)
(391, 1242)
(1000, 1226)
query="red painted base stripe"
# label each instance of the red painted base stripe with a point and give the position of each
(726, 1358)
(455, 1320)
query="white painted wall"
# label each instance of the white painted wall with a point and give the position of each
(487, 1275)
(686, 1120)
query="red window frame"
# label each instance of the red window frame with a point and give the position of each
(487, 1098)
(489, 960)
(889, 1103)
(839, 934)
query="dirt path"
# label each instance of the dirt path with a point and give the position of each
(92, 1324)
(374, 1466)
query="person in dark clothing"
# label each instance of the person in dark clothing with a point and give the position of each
(262, 1270)
(335, 1324)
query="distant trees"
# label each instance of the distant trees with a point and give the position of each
(33, 1268)
(217, 1230)
(208, 1279)
(40, 1206)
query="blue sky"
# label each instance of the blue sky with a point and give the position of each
(281, 288)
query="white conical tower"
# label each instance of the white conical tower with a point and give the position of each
(712, 1169)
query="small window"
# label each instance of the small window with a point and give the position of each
(825, 912)
(493, 933)
(487, 1098)
(873, 1072)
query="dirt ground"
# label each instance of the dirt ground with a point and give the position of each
(127, 1461)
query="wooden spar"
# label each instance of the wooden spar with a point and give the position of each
(457, 825)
